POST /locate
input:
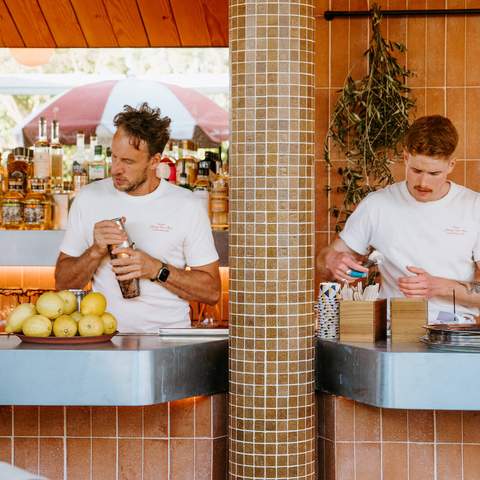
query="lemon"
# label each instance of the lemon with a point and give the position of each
(64, 326)
(76, 316)
(69, 300)
(37, 326)
(18, 315)
(50, 304)
(90, 326)
(109, 323)
(93, 303)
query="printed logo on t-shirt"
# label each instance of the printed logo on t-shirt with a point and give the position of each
(455, 230)
(160, 227)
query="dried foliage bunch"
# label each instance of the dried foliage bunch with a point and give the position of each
(369, 122)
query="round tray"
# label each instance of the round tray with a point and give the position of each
(76, 340)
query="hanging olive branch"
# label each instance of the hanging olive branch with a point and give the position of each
(369, 121)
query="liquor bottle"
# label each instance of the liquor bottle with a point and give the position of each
(187, 156)
(96, 166)
(12, 205)
(41, 157)
(90, 152)
(108, 162)
(3, 177)
(219, 202)
(79, 174)
(201, 188)
(56, 151)
(36, 206)
(183, 179)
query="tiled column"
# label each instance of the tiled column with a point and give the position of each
(271, 240)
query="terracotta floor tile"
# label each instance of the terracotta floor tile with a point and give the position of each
(51, 458)
(219, 458)
(320, 459)
(329, 409)
(129, 459)
(203, 417)
(344, 419)
(420, 426)
(329, 460)
(26, 454)
(104, 458)
(52, 421)
(181, 418)
(130, 421)
(394, 425)
(448, 426)
(421, 463)
(5, 420)
(395, 461)
(25, 421)
(155, 459)
(104, 421)
(181, 459)
(449, 462)
(203, 459)
(345, 461)
(78, 421)
(6, 450)
(367, 423)
(219, 415)
(78, 458)
(155, 420)
(471, 462)
(367, 461)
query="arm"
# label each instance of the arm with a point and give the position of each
(337, 259)
(200, 284)
(427, 286)
(76, 272)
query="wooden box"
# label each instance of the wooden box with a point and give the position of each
(408, 316)
(363, 321)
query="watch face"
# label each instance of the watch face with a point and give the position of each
(163, 274)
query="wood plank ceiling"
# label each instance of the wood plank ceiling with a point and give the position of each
(113, 23)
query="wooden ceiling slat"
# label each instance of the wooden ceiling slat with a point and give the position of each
(216, 15)
(159, 22)
(9, 36)
(127, 23)
(95, 23)
(191, 23)
(63, 23)
(30, 23)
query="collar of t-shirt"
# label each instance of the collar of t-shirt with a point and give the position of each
(453, 190)
(158, 192)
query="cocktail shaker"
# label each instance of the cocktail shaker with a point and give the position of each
(129, 288)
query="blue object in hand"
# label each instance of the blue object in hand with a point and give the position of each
(357, 274)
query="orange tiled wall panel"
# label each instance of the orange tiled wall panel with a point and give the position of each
(443, 52)
(180, 440)
(357, 442)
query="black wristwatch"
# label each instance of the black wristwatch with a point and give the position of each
(162, 274)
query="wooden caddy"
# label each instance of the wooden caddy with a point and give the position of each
(363, 321)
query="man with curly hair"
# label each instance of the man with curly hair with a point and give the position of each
(169, 226)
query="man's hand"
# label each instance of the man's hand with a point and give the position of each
(134, 264)
(423, 284)
(340, 265)
(107, 233)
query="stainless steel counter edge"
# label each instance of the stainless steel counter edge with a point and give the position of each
(40, 248)
(409, 375)
(133, 370)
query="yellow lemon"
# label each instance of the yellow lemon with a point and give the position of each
(37, 326)
(76, 316)
(90, 326)
(50, 304)
(69, 300)
(93, 303)
(109, 323)
(18, 315)
(64, 326)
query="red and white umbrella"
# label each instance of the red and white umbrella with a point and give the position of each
(90, 108)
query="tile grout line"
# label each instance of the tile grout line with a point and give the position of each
(91, 443)
(38, 441)
(116, 443)
(143, 440)
(12, 450)
(435, 466)
(65, 471)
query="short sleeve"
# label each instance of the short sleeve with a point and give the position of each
(358, 230)
(75, 241)
(199, 247)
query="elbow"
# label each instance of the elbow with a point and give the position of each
(215, 295)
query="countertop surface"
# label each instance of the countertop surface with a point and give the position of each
(128, 370)
(406, 375)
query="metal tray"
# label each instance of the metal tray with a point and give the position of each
(76, 340)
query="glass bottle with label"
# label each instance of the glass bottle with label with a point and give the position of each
(108, 162)
(201, 188)
(19, 165)
(79, 174)
(41, 156)
(12, 205)
(96, 166)
(56, 151)
(35, 206)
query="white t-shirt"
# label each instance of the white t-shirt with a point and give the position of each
(442, 237)
(169, 224)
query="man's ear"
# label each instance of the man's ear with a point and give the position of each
(405, 156)
(155, 160)
(451, 164)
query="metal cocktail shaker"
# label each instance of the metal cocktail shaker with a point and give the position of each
(129, 288)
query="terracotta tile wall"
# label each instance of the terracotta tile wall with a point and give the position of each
(443, 52)
(271, 240)
(358, 442)
(180, 440)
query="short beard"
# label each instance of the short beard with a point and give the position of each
(131, 187)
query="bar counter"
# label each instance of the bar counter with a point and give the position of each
(399, 375)
(129, 370)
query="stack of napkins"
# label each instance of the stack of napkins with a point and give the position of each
(359, 293)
